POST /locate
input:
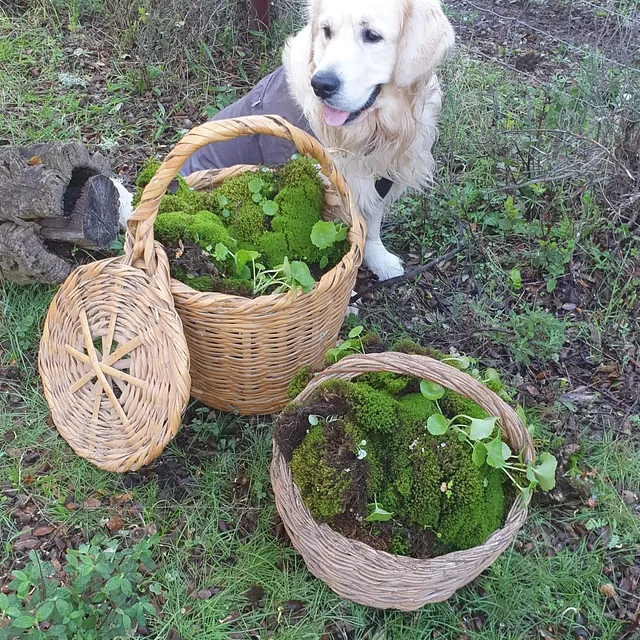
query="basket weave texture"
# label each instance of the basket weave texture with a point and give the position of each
(379, 579)
(244, 352)
(114, 362)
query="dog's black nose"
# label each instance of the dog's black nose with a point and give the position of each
(325, 84)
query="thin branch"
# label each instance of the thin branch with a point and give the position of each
(409, 275)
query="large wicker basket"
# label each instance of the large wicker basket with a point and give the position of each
(376, 578)
(243, 351)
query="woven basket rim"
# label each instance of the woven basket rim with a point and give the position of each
(479, 557)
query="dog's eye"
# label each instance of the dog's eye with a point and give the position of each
(327, 32)
(371, 36)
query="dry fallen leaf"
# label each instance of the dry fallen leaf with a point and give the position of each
(114, 525)
(92, 503)
(180, 249)
(608, 590)
(43, 531)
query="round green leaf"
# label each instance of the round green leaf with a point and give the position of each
(323, 234)
(378, 514)
(431, 390)
(492, 380)
(481, 429)
(255, 185)
(270, 208)
(545, 472)
(341, 233)
(223, 201)
(479, 454)
(506, 451)
(324, 261)
(495, 457)
(221, 252)
(256, 197)
(437, 424)
(356, 331)
(313, 420)
(302, 275)
(4, 602)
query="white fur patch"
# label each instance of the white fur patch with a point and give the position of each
(126, 202)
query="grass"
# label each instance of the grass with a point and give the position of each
(566, 237)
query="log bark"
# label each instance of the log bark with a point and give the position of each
(53, 193)
(24, 258)
(94, 219)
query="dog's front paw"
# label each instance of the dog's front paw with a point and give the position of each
(383, 263)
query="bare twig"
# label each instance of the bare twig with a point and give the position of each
(414, 273)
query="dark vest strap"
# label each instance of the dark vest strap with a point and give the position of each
(383, 186)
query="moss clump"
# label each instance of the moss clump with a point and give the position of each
(246, 218)
(409, 346)
(201, 283)
(453, 404)
(273, 248)
(204, 228)
(414, 408)
(423, 504)
(298, 171)
(208, 230)
(299, 382)
(322, 487)
(186, 200)
(171, 227)
(399, 545)
(299, 209)
(393, 383)
(373, 411)
(149, 169)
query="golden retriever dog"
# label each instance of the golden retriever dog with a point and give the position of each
(361, 78)
(364, 75)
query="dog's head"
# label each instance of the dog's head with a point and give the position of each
(360, 45)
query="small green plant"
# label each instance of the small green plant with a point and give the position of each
(269, 207)
(353, 344)
(325, 235)
(485, 439)
(103, 595)
(537, 336)
(286, 277)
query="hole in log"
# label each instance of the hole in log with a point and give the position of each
(79, 177)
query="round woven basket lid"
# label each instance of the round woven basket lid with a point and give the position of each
(114, 362)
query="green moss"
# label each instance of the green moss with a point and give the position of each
(186, 200)
(415, 408)
(233, 286)
(393, 383)
(299, 382)
(322, 487)
(470, 511)
(149, 169)
(299, 171)
(454, 404)
(201, 283)
(299, 208)
(246, 218)
(373, 410)
(273, 248)
(409, 346)
(398, 545)
(170, 227)
(479, 520)
(423, 504)
(208, 230)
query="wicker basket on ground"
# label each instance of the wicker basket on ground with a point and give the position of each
(244, 351)
(379, 579)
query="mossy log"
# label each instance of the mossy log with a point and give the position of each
(49, 194)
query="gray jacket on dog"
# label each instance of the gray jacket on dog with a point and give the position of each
(270, 96)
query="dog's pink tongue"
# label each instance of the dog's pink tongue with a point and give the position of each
(334, 117)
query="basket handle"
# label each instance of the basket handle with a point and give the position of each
(139, 247)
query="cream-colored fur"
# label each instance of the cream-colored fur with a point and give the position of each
(393, 138)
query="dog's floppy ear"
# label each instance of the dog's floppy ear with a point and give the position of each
(427, 36)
